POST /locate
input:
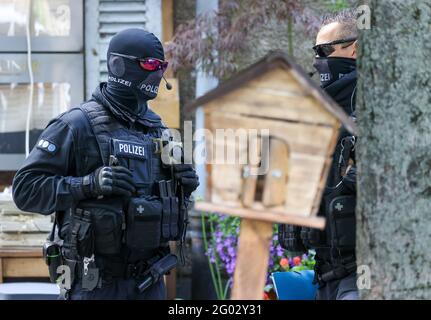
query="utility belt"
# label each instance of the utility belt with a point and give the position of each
(108, 227)
(145, 272)
(327, 271)
(108, 270)
(96, 272)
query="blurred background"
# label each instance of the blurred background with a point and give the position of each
(53, 55)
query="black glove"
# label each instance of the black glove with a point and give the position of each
(186, 175)
(107, 181)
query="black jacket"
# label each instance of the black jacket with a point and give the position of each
(46, 181)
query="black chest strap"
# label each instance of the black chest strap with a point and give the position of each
(102, 123)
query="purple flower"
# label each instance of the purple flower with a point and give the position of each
(231, 251)
(223, 247)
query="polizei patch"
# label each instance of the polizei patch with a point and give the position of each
(129, 149)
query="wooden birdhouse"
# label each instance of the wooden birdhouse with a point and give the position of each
(285, 129)
(271, 133)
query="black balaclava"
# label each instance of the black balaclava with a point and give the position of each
(129, 86)
(332, 69)
(338, 78)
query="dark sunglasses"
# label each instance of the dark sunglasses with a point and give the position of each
(149, 64)
(325, 49)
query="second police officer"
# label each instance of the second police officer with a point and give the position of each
(335, 270)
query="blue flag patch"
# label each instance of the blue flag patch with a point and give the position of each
(47, 146)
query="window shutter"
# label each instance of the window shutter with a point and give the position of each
(115, 16)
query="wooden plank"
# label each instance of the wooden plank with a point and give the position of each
(24, 267)
(275, 95)
(208, 150)
(278, 215)
(168, 19)
(228, 157)
(274, 192)
(324, 174)
(248, 187)
(21, 252)
(300, 137)
(168, 26)
(1, 270)
(304, 184)
(250, 172)
(25, 226)
(22, 239)
(310, 153)
(167, 104)
(171, 278)
(249, 278)
(302, 188)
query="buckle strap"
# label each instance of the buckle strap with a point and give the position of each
(124, 270)
(136, 270)
(337, 273)
(112, 269)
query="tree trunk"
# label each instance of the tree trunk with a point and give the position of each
(394, 152)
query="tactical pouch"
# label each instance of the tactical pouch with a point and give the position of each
(107, 219)
(343, 222)
(53, 259)
(171, 212)
(52, 253)
(174, 232)
(144, 219)
(82, 233)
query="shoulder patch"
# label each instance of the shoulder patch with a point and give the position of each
(47, 146)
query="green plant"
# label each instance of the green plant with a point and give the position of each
(214, 262)
(221, 245)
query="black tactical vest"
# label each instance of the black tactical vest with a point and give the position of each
(337, 206)
(114, 226)
(135, 150)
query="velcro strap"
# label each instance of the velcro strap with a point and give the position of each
(311, 235)
(75, 233)
(174, 217)
(166, 217)
(136, 270)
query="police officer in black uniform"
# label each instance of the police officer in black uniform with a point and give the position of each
(335, 269)
(99, 168)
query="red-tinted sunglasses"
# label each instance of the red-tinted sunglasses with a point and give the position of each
(149, 64)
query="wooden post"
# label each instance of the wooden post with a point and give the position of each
(252, 260)
(171, 278)
(1, 270)
(168, 32)
(168, 26)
